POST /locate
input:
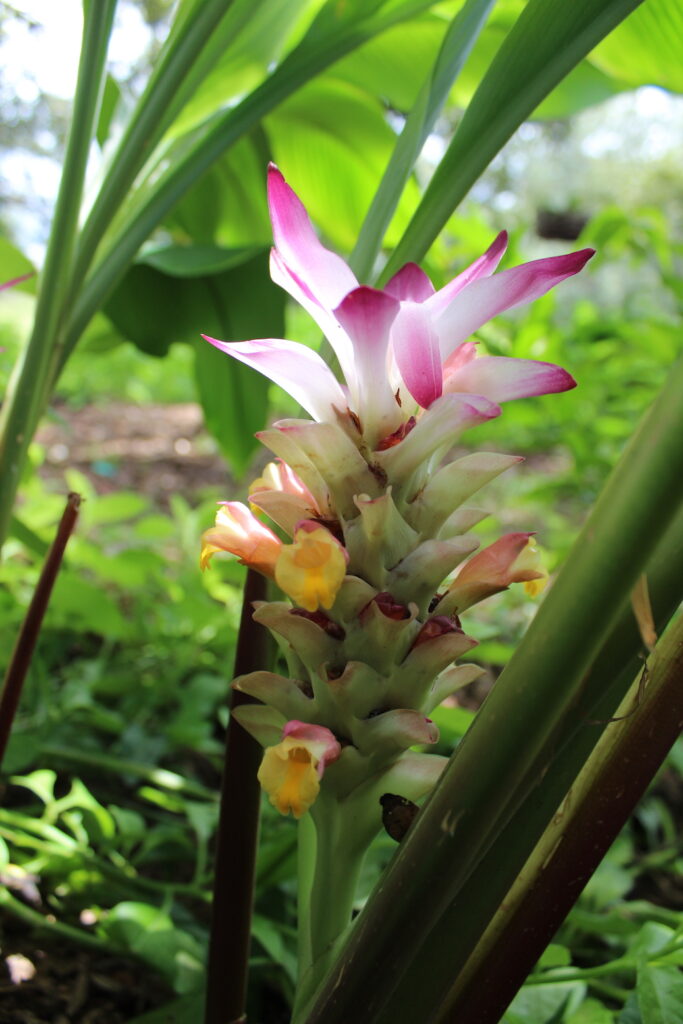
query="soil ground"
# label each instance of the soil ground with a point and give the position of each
(157, 450)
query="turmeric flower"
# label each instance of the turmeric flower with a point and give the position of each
(238, 531)
(290, 772)
(283, 496)
(311, 569)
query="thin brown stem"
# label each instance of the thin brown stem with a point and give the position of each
(226, 986)
(30, 630)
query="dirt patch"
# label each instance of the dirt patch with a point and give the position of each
(157, 450)
(62, 985)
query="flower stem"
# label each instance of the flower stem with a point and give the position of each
(226, 984)
(325, 913)
(305, 869)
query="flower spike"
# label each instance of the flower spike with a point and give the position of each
(369, 629)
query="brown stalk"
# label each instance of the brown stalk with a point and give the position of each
(30, 629)
(237, 837)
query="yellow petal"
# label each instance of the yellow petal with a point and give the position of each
(529, 560)
(289, 777)
(535, 587)
(207, 551)
(312, 569)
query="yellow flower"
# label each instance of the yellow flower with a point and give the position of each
(311, 569)
(290, 772)
(238, 531)
(529, 560)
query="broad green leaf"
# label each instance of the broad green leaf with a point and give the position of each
(116, 508)
(646, 49)
(544, 1004)
(453, 722)
(78, 604)
(227, 205)
(555, 956)
(591, 1012)
(332, 142)
(630, 1014)
(234, 398)
(196, 260)
(394, 65)
(148, 310)
(546, 42)
(659, 991)
(13, 264)
(652, 937)
(154, 309)
(239, 61)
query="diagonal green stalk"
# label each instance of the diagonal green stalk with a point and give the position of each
(109, 765)
(448, 949)
(512, 741)
(461, 35)
(548, 39)
(160, 101)
(24, 400)
(631, 750)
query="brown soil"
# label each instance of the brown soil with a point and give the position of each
(73, 986)
(157, 450)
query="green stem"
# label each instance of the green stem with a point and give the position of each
(161, 777)
(584, 973)
(50, 926)
(337, 867)
(305, 874)
(24, 401)
(619, 995)
(328, 907)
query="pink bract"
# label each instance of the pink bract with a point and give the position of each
(402, 347)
